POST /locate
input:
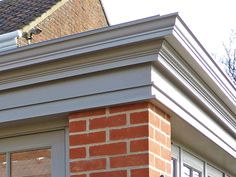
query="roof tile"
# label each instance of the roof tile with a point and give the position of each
(15, 14)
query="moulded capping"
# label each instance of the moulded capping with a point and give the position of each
(8, 40)
(7, 36)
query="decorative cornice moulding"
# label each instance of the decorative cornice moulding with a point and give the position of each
(126, 45)
(196, 86)
(156, 27)
(81, 64)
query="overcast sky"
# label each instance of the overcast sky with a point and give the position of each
(210, 20)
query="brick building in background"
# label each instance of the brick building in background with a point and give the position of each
(141, 99)
(50, 19)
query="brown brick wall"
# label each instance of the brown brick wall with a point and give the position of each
(121, 141)
(74, 16)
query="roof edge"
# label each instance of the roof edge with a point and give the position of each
(46, 14)
(188, 46)
(170, 27)
(155, 27)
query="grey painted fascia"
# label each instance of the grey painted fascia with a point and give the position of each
(141, 30)
(80, 65)
(176, 98)
(185, 74)
(191, 50)
(100, 89)
(169, 27)
(26, 95)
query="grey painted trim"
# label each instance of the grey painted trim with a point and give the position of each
(67, 152)
(75, 104)
(41, 67)
(180, 106)
(55, 140)
(101, 89)
(186, 44)
(81, 65)
(185, 74)
(170, 27)
(79, 87)
(33, 126)
(8, 40)
(92, 41)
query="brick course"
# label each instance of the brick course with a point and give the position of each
(125, 141)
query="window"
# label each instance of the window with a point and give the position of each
(213, 172)
(192, 166)
(185, 164)
(37, 155)
(190, 171)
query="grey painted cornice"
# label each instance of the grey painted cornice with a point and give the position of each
(156, 58)
(185, 74)
(187, 45)
(141, 30)
(169, 27)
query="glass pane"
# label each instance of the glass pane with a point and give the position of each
(36, 163)
(196, 174)
(187, 172)
(3, 165)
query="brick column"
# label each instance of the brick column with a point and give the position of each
(121, 141)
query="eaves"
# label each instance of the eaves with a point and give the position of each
(196, 69)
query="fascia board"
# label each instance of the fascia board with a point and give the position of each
(183, 72)
(75, 104)
(139, 53)
(141, 30)
(186, 45)
(179, 104)
(169, 27)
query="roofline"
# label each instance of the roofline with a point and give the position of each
(44, 15)
(224, 74)
(112, 34)
(188, 45)
(105, 13)
(169, 27)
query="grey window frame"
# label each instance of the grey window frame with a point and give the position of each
(186, 157)
(55, 140)
(192, 169)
